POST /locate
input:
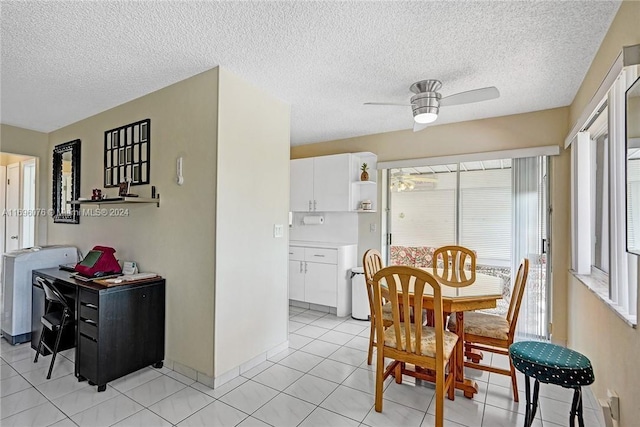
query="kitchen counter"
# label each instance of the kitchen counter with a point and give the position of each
(328, 245)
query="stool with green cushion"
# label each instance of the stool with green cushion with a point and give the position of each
(552, 364)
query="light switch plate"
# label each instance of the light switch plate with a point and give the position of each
(278, 230)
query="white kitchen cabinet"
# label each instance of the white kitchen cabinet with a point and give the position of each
(321, 184)
(319, 273)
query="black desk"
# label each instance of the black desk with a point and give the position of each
(120, 329)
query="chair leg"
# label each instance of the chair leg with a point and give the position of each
(55, 348)
(379, 379)
(440, 383)
(371, 334)
(576, 409)
(39, 345)
(452, 373)
(514, 381)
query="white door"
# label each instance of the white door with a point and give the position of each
(28, 203)
(320, 284)
(332, 183)
(12, 230)
(296, 280)
(301, 185)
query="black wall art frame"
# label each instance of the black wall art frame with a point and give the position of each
(127, 154)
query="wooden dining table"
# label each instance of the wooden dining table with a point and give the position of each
(482, 294)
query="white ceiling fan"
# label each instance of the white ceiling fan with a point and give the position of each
(427, 100)
(401, 181)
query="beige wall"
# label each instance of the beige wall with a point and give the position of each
(31, 143)
(251, 310)
(175, 240)
(594, 329)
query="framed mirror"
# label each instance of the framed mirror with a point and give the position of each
(66, 182)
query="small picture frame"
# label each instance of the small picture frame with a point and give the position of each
(123, 189)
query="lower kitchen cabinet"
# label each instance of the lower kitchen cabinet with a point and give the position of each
(319, 273)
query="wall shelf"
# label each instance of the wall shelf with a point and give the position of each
(118, 200)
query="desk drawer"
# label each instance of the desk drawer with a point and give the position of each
(88, 311)
(87, 358)
(325, 256)
(88, 297)
(88, 327)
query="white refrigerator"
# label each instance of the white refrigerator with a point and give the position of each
(17, 281)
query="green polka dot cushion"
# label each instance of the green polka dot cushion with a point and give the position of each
(550, 363)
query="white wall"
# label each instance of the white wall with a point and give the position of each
(251, 308)
(338, 227)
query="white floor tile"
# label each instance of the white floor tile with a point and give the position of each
(320, 348)
(278, 377)
(311, 331)
(279, 356)
(155, 390)
(249, 396)
(409, 394)
(364, 380)
(332, 370)
(42, 415)
(350, 403)
(360, 343)
(352, 328)
(311, 389)
(7, 371)
(21, 401)
(394, 414)
(13, 385)
(38, 376)
(350, 356)
(294, 326)
(182, 378)
(253, 422)
(19, 352)
(80, 400)
(301, 361)
(298, 341)
(108, 412)
(225, 388)
(430, 421)
(26, 364)
(327, 322)
(144, 418)
(257, 369)
(320, 417)
(496, 417)
(216, 414)
(336, 337)
(66, 423)
(181, 405)
(502, 397)
(135, 379)
(284, 410)
(58, 387)
(464, 411)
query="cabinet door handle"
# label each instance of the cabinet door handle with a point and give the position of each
(314, 206)
(309, 205)
(305, 267)
(300, 266)
(319, 256)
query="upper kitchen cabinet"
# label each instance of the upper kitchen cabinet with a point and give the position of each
(326, 183)
(321, 184)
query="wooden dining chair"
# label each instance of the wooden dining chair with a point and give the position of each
(372, 263)
(492, 333)
(426, 347)
(454, 265)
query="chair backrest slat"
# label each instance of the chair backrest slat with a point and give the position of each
(455, 260)
(517, 294)
(52, 293)
(404, 286)
(371, 263)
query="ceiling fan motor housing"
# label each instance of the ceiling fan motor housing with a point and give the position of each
(426, 98)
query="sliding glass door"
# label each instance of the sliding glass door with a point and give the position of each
(496, 208)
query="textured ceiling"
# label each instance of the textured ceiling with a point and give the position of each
(65, 61)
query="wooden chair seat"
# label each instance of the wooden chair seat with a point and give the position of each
(482, 324)
(427, 341)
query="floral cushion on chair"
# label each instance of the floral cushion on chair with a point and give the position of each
(428, 341)
(485, 325)
(424, 256)
(402, 255)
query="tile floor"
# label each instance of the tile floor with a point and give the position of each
(321, 380)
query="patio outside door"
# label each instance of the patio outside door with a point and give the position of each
(498, 208)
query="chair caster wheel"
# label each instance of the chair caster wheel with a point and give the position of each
(158, 365)
(81, 378)
(102, 387)
(92, 383)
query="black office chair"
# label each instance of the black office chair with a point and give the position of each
(58, 315)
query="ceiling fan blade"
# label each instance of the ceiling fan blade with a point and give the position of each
(476, 95)
(388, 103)
(417, 127)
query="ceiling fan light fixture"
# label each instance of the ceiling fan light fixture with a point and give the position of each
(424, 118)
